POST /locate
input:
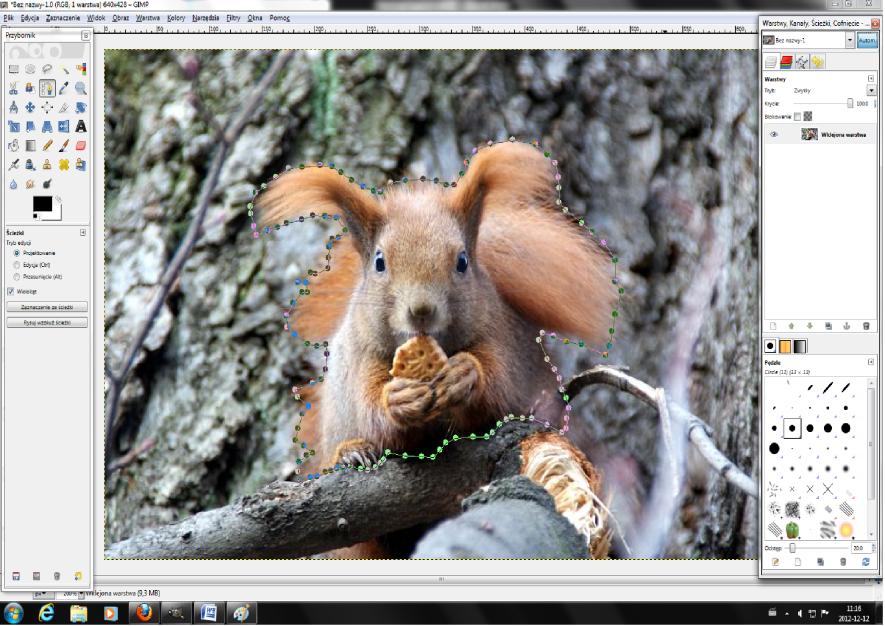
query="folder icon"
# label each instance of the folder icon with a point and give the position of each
(79, 614)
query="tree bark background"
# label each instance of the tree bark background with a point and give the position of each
(657, 148)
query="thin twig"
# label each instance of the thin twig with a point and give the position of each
(195, 98)
(699, 433)
(233, 129)
(236, 125)
(132, 455)
(469, 69)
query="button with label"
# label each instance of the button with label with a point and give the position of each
(46, 322)
(868, 39)
(46, 307)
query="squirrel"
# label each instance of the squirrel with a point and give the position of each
(480, 266)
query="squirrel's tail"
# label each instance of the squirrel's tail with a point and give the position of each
(550, 271)
(317, 316)
(547, 267)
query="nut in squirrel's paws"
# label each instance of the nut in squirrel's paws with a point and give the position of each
(420, 358)
(426, 383)
(409, 397)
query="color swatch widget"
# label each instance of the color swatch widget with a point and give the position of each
(47, 208)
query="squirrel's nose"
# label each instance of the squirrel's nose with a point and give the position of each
(422, 312)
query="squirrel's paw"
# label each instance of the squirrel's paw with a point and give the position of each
(459, 378)
(408, 402)
(356, 452)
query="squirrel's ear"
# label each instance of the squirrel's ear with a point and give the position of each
(298, 192)
(508, 174)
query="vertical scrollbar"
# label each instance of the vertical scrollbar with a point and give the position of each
(871, 446)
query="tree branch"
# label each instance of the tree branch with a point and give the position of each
(232, 131)
(699, 433)
(513, 518)
(288, 519)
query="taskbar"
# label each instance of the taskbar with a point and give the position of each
(245, 612)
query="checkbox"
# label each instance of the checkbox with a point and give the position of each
(10, 291)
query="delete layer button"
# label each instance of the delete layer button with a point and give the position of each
(46, 322)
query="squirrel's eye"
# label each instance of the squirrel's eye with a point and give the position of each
(379, 262)
(462, 262)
